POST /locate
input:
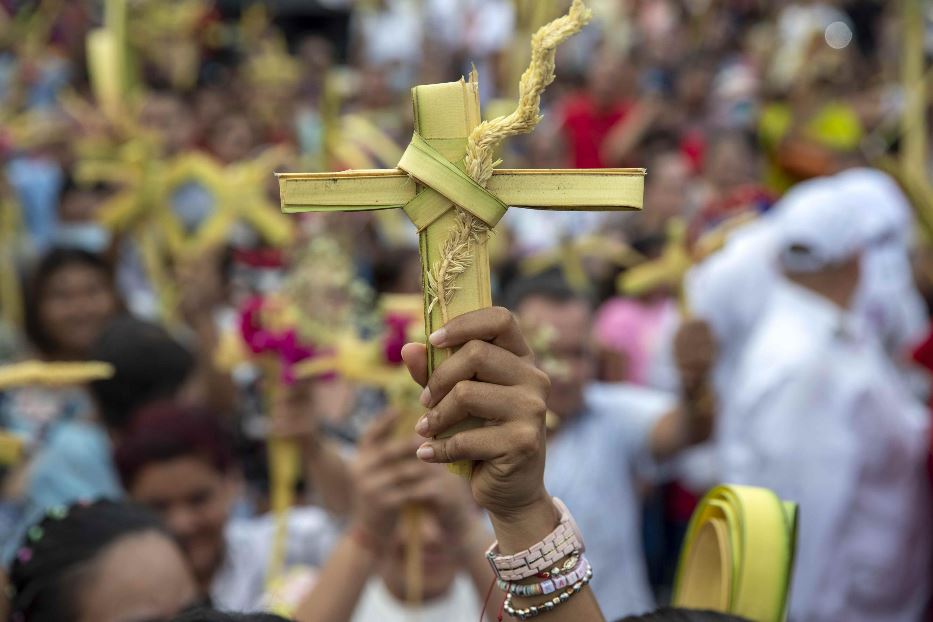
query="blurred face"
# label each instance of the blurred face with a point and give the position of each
(232, 138)
(167, 117)
(729, 164)
(194, 500)
(568, 359)
(604, 80)
(139, 578)
(79, 205)
(838, 283)
(77, 302)
(693, 87)
(666, 194)
(438, 562)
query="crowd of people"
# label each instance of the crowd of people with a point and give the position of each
(764, 320)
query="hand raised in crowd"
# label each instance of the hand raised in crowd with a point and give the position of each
(385, 476)
(493, 377)
(387, 479)
(294, 416)
(695, 352)
(200, 284)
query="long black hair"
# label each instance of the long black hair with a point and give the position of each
(48, 568)
(49, 265)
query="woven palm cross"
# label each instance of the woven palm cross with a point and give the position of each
(447, 184)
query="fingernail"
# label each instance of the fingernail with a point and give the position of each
(422, 427)
(425, 452)
(438, 337)
(425, 398)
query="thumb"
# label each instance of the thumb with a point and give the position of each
(415, 356)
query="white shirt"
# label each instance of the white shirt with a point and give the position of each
(730, 290)
(377, 604)
(591, 465)
(391, 34)
(239, 585)
(821, 417)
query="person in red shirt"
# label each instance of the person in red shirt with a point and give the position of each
(587, 117)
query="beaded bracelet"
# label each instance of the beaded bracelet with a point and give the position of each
(573, 570)
(548, 605)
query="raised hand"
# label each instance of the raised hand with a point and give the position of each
(385, 476)
(695, 352)
(493, 377)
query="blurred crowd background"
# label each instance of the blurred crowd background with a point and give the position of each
(139, 217)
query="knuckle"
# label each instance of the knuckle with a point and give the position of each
(526, 441)
(474, 351)
(462, 391)
(542, 380)
(537, 406)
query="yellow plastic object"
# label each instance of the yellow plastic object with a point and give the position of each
(738, 555)
(52, 374)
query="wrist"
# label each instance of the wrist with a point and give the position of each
(364, 539)
(699, 410)
(310, 442)
(519, 528)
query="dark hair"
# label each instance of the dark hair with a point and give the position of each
(52, 263)
(50, 566)
(149, 366)
(210, 615)
(673, 614)
(168, 430)
(550, 285)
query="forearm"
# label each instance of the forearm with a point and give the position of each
(691, 422)
(624, 136)
(522, 530)
(328, 474)
(216, 386)
(340, 584)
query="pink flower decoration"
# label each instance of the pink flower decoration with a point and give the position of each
(24, 555)
(396, 336)
(261, 340)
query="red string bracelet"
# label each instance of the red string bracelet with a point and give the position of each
(482, 614)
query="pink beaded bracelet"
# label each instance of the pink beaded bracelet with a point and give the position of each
(560, 543)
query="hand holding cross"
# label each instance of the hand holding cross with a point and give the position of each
(446, 184)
